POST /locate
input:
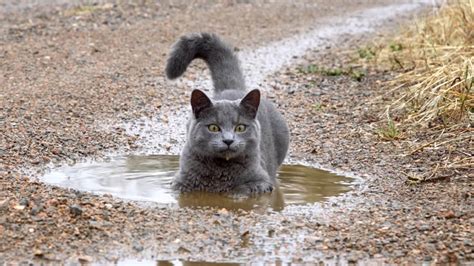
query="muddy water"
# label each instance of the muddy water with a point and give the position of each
(148, 178)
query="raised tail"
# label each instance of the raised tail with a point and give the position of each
(220, 59)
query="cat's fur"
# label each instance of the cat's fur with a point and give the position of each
(249, 164)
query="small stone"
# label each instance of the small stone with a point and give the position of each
(223, 211)
(95, 225)
(271, 233)
(38, 253)
(416, 252)
(35, 210)
(317, 239)
(398, 253)
(24, 202)
(19, 207)
(4, 204)
(424, 227)
(448, 214)
(183, 250)
(352, 258)
(75, 210)
(53, 202)
(84, 259)
(137, 247)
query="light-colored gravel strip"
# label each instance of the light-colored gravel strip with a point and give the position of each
(166, 132)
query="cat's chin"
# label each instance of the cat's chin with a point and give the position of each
(227, 155)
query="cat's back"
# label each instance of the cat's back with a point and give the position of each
(274, 133)
(231, 95)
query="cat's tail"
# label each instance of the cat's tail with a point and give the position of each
(221, 60)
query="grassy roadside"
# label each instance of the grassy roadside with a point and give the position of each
(434, 106)
(429, 97)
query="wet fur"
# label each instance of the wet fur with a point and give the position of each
(247, 166)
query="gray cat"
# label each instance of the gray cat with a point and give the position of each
(236, 141)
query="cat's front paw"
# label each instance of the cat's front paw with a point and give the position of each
(178, 186)
(254, 188)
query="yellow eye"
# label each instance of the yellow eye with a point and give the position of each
(240, 128)
(213, 128)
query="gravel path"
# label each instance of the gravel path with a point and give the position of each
(69, 74)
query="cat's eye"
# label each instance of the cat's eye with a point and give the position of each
(213, 128)
(240, 128)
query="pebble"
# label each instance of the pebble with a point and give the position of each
(137, 247)
(85, 259)
(19, 207)
(75, 210)
(24, 202)
(35, 210)
(4, 204)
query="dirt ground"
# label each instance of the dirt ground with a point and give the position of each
(66, 68)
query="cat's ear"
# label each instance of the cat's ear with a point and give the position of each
(199, 102)
(250, 103)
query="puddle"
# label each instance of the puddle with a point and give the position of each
(148, 178)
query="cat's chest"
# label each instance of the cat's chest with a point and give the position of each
(224, 173)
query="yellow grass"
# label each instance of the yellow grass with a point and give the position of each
(436, 85)
(438, 65)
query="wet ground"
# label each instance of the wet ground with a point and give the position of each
(148, 178)
(87, 82)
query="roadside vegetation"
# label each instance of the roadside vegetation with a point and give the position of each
(429, 97)
(434, 86)
(354, 73)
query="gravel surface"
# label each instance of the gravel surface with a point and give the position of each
(67, 73)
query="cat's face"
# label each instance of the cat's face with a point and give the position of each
(224, 129)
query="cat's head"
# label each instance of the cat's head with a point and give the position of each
(223, 128)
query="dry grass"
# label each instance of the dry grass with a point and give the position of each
(438, 60)
(434, 59)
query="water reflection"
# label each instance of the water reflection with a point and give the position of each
(274, 200)
(148, 178)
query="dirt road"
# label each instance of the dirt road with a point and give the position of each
(83, 81)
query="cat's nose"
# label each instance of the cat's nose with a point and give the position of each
(228, 141)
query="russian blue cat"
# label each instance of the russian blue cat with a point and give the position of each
(235, 141)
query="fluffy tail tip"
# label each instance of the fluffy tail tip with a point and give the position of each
(182, 53)
(174, 68)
